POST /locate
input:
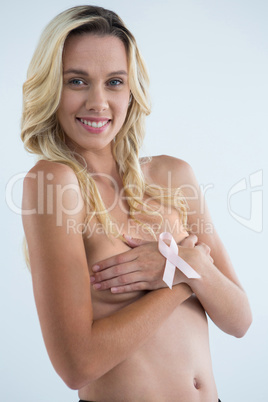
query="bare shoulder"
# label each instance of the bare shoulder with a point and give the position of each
(49, 187)
(167, 170)
(51, 171)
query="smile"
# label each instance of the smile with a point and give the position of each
(94, 123)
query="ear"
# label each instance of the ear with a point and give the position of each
(130, 99)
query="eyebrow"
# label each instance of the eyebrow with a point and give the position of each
(82, 72)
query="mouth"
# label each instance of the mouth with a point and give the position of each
(94, 124)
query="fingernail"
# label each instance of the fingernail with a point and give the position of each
(114, 290)
(92, 279)
(97, 286)
(95, 268)
(127, 237)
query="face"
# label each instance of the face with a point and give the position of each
(95, 93)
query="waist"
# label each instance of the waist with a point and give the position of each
(198, 388)
(174, 361)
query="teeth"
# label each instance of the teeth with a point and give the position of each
(94, 124)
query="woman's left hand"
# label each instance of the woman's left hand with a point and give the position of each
(141, 268)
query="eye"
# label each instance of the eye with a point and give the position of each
(76, 82)
(115, 83)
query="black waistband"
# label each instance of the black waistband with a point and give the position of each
(81, 400)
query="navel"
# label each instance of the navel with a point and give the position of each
(197, 383)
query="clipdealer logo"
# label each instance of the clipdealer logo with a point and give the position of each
(251, 189)
(255, 192)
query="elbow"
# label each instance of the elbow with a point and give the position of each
(242, 320)
(239, 324)
(242, 329)
(77, 378)
(72, 383)
(78, 371)
(76, 381)
(240, 333)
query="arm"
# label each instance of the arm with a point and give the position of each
(81, 350)
(219, 290)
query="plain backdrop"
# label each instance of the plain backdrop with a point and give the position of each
(208, 65)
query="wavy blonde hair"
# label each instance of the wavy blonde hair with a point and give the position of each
(43, 135)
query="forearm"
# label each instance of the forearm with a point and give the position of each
(115, 338)
(224, 301)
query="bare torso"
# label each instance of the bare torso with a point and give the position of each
(175, 363)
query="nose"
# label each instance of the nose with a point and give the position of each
(96, 99)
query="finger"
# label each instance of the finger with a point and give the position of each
(122, 280)
(114, 272)
(133, 241)
(130, 288)
(117, 259)
(204, 247)
(189, 241)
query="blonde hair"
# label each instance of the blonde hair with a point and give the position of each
(43, 135)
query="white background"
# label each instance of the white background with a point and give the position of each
(208, 65)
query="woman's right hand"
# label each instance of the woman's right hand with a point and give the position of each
(142, 267)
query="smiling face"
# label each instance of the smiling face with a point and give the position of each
(95, 92)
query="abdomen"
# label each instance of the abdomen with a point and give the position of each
(174, 364)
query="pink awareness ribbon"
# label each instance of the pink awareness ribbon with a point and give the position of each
(173, 260)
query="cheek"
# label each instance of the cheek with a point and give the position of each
(122, 106)
(67, 105)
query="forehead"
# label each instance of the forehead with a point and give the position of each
(96, 52)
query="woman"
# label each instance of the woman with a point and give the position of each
(111, 326)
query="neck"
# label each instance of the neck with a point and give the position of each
(103, 166)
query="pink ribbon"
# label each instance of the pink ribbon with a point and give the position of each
(173, 260)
